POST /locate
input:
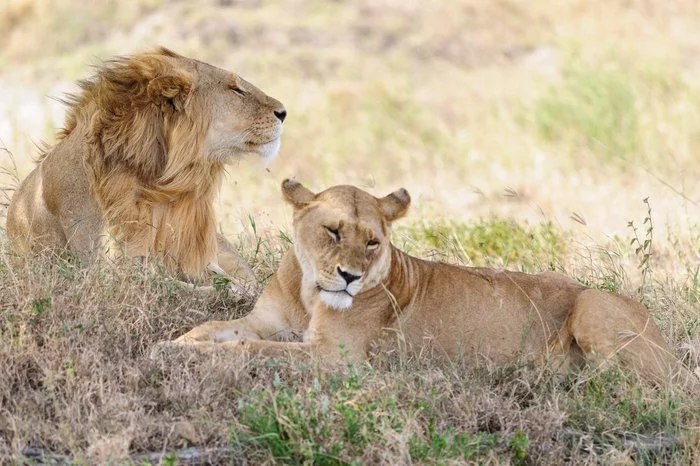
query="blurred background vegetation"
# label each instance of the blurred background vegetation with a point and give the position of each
(561, 113)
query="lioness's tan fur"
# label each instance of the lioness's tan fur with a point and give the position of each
(473, 313)
(140, 161)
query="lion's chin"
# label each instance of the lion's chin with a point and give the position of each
(269, 150)
(339, 300)
(227, 150)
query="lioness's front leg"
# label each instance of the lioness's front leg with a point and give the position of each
(251, 327)
(267, 321)
(278, 316)
(328, 352)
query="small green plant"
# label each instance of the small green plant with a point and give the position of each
(221, 283)
(518, 444)
(441, 444)
(643, 246)
(693, 288)
(170, 459)
(41, 305)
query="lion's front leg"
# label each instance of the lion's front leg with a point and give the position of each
(230, 260)
(230, 265)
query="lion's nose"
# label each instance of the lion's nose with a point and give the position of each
(281, 114)
(347, 276)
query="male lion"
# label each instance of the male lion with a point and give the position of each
(140, 162)
(345, 284)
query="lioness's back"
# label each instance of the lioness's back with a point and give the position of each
(495, 313)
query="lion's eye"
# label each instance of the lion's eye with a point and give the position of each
(372, 244)
(238, 90)
(333, 233)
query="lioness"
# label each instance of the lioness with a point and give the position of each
(140, 161)
(344, 285)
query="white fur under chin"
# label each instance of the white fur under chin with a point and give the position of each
(226, 147)
(336, 300)
(269, 151)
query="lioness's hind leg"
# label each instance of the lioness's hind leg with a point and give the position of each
(562, 351)
(606, 325)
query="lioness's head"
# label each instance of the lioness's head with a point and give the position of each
(341, 238)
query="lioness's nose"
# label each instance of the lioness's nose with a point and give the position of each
(347, 276)
(281, 114)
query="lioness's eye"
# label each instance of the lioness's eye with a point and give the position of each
(238, 90)
(372, 244)
(335, 234)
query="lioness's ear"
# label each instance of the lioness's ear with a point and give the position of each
(171, 89)
(296, 194)
(395, 205)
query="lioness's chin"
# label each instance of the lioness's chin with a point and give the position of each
(336, 300)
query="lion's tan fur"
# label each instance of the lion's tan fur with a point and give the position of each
(477, 314)
(140, 160)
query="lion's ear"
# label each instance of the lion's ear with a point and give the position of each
(395, 205)
(296, 194)
(172, 90)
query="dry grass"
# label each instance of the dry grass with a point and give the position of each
(528, 134)
(78, 384)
